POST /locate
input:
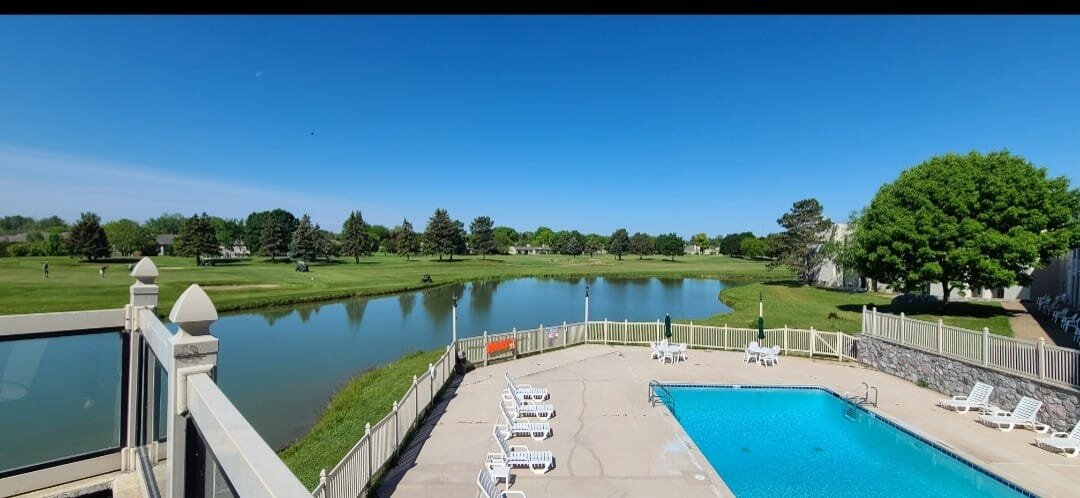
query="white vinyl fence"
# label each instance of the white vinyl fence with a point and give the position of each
(381, 441)
(1031, 359)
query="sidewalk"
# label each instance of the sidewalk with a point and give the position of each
(1028, 324)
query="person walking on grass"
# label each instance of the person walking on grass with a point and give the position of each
(102, 270)
(45, 268)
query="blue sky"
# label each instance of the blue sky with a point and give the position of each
(653, 123)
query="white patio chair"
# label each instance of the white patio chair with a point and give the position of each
(1021, 416)
(752, 352)
(682, 351)
(1059, 314)
(669, 354)
(1066, 443)
(1070, 320)
(486, 482)
(517, 409)
(536, 430)
(516, 455)
(656, 353)
(769, 355)
(978, 398)
(526, 391)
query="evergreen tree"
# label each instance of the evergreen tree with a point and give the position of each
(276, 233)
(670, 244)
(305, 240)
(483, 236)
(197, 238)
(799, 246)
(406, 241)
(354, 236)
(619, 243)
(88, 238)
(441, 234)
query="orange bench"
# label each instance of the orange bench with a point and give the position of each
(495, 347)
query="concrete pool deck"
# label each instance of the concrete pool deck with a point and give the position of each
(609, 441)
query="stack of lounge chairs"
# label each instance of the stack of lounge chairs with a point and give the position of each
(1057, 309)
(1023, 415)
(519, 401)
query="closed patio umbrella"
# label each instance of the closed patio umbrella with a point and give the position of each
(761, 317)
(667, 325)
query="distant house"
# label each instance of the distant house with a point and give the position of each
(13, 239)
(529, 249)
(238, 249)
(165, 244)
(695, 250)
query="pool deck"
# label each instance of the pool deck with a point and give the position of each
(609, 441)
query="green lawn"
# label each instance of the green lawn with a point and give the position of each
(364, 400)
(804, 307)
(75, 285)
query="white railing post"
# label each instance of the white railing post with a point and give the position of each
(813, 340)
(659, 332)
(785, 339)
(322, 482)
(416, 397)
(605, 330)
(625, 331)
(486, 348)
(543, 340)
(691, 345)
(873, 321)
(903, 331)
(862, 328)
(724, 338)
(370, 457)
(431, 383)
(940, 334)
(564, 329)
(839, 346)
(1041, 358)
(397, 429)
(194, 350)
(986, 346)
(142, 294)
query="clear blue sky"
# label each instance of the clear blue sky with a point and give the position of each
(657, 124)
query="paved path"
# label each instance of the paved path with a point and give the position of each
(609, 441)
(1029, 324)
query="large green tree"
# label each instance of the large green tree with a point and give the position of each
(441, 235)
(377, 236)
(88, 238)
(619, 243)
(798, 247)
(406, 241)
(543, 236)
(354, 236)
(641, 244)
(701, 240)
(276, 233)
(197, 238)
(227, 231)
(752, 247)
(982, 220)
(483, 236)
(126, 236)
(504, 238)
(305, 240)
(166, 223)
(670, 244)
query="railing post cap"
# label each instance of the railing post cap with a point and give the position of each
(395, 406)
(145, 271)
(1041, 340)
(367, 429)
(322, 474)
(415, 379)
(194, 311)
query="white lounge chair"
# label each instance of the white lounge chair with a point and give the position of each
(1066, 443)
(516, 455)
(489, 489)
(752, 352)
(656, 352)
(526, 391)
(978, 398)
(1023, 415)
(517, 409)
(536, 430)
(769, 355)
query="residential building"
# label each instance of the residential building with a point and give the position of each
(529, 249)
(165, 242)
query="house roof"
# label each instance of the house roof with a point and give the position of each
(166, 239)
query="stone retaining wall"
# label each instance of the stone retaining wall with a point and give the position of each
(1061, 405)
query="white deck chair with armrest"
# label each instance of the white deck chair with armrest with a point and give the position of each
(1066, 443)
(536, 430)
(978, 398)
(517, 409)
(769, 355)
(752, 352)
(489, 489)
(1023, 415)
(526, 391)
(516, 455)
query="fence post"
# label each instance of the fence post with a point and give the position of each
(873, 320)
(564, 332)
(485, 349)
(625, 331)
(813, 340)
(605, 330)
(839, 346)
(370, 458)
(940, 333)
(431, 383)
(902, 329)
(785, 342)
(986, 346)
(397, 429)
(1041, 358)
(542, 341)
(322, 482)
(142, 293)
(863, 316)
(416, 397)
(691, 345)
(658, 332)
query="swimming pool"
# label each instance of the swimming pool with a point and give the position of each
(808, 441)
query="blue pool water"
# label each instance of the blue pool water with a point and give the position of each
(771, 442)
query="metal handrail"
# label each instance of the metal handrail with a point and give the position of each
(654, 397)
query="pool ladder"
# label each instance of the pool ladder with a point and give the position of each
(659, 393)
(864, 398)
